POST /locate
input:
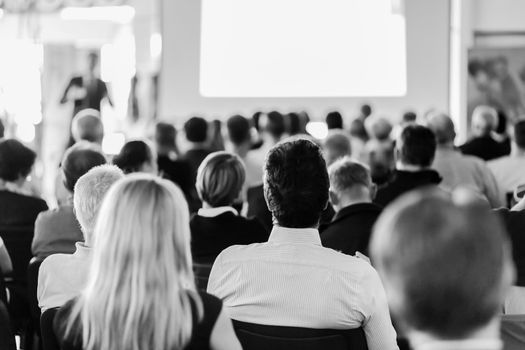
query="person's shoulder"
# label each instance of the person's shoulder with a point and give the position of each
(237, 253)
(55, 260)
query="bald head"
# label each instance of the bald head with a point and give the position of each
(484, 120)
(87, 126)
(443, 127)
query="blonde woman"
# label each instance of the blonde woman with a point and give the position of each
(141, 293)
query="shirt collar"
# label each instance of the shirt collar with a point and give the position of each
(213, 212)
(295, 235)
(469, 344)
(82, 250)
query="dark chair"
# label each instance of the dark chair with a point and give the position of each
(18, 244)
(259, 337)
(202, 274)
(49, 339)
(7, 337)
(32, 285)
(513, 332)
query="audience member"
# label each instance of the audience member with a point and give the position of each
(293, 124)
(216, 140)
(239, 135)
(351, 194)
(415, 150)
(169, 166)
(446, 268)
(357, 127)
(142, 273)
(379, 128)
(271, 130)
(458, 170)
(334, 120)
(137, 156)
(217, 225)
(284, 282)
(336, 145)
(57, 230)
(87, 126)
(482, 144)
(510, 170)
(409, 117)
(17, 207)
(196, 131)
(62, 276)
(379, 156)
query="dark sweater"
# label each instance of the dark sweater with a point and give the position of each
(211, 235)
(515, 223)
(351, 228)
(18, 210)
(405, 181)
(485, 148)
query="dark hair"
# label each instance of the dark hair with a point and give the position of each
(15, 160)
(133, 156)
(78, 160)
(2, 129)
(409, 117)
(432, 251)
(275, 124)
(296, 183)
(502, 123)
(417, 146)
(196, 129)
(294, 123)
(238, 129)
(519, 133)
(334, 120)
(366, 110)
(475, 66)
(255, 119)
(220, 178)
(165, 134)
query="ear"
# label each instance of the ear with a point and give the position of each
(334, 199)
(373, 191)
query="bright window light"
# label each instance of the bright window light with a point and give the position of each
(119, 14)
(155, 45)
(113, 143)
(318, 130)
(25, 132)
(302, 48)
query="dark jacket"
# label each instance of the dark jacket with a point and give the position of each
(351, 228)
(485, 148)
(405, 181)
(514, 222)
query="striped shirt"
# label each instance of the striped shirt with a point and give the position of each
(293, 281)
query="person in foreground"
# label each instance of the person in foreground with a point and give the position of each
(62, 276)
(141, 291)
(446, 265)
(292, 280)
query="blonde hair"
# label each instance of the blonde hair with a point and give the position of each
(141, 286)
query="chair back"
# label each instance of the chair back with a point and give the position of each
(32, 285)
(202, 274)
(49, 339)
(18, 244)
(7, 337)
(513, 332)
(258, 337)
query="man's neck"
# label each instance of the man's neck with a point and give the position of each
(446, 146)
(517, 151)
(410, 168)
(241, 150)
(346, 201)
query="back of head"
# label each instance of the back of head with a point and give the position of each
(346, 174)
(484, 120)
(409, 117)
(519, 134)
(87, 126)
(443, 127)
(433, 253)
(165, 134)
(78, 160)
(379, 128)
(220, 179)
(196, 130)
(136, 156)
(416, 146)
(366, 110)
(141, 269)
(293, 123)
(90, 190)
(336, 145)
(274, 126)
(334, 120)
(296, 183)
(238, 130)
(16, 160)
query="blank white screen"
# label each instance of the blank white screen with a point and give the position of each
(302, 48)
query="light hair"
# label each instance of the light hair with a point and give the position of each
(220, 179)
(141, 286)
(87, 126)
(484, 119)
(346, 174)
(336, 145)
(89, 192)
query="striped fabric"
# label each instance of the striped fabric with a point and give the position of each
(293, 281)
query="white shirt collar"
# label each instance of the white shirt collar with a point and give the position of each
(295, 235)
(213, 212)
(468, 344)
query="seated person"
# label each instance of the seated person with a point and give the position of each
(57, 230)
(141, 273)
(292, 280)
(334, 120)
(415, 151)
(62, 276)
(351, 193)
(137, 156)
(17, 207)
(446, 266)
(336, 145)
(217, 225)
(87, 126)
